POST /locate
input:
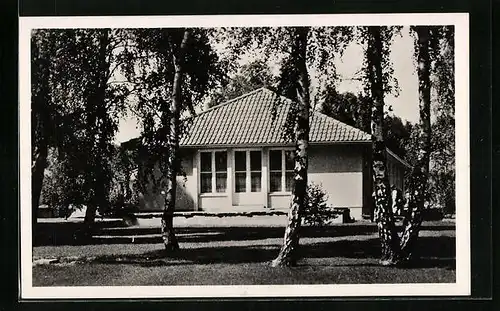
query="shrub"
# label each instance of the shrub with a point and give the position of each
(317, 212)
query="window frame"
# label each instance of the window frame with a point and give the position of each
(213, 172)
(283, 169)
(248, 170)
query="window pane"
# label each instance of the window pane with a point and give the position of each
(206, 182)
(275, 181)
(220, 182)
(240, 182)
(255, 181)
(289, 160)
(221, 161)
(275, 160)
(240, 161)
(206, 161)
(289, 181)
(255, 161)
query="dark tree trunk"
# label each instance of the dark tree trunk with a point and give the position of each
(420, 173)
(382, 199)
(288, 253)
(37, 174)
(90, 213)
(167, 228)
(98, 159)
(40, 120)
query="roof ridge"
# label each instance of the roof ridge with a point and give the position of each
(230, 101)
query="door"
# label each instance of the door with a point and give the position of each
(247, 190)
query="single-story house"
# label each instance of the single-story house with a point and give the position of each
(235, 159)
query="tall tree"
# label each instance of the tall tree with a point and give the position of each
(377, 42)
(297, 63)
(42, 48)
(298, 50)
(428, 51)
(85, 106)
(171, 70)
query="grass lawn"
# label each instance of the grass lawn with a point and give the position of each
(240, 255)
(233, 274)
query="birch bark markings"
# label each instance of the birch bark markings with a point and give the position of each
(383, 212)
(288, 253)
(420, 174)
(167, 229)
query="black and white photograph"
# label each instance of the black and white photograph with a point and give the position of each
(244, 156)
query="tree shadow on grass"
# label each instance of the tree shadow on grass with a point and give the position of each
(68, 233)
(432, 252)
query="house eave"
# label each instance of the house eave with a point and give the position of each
(253, 145)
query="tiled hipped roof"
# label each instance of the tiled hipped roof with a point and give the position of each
(248, 119)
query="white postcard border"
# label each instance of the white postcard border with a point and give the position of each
(463, 273)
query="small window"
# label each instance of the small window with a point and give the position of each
(275, 181)
(240, 171)
(281, 170)
(275, 170)
(220, 171)
(289, 169)
(289, 160)
(240, 161)
(213, 172)
(255, 171)
(206, 161)
(275, 160)
(247, 171)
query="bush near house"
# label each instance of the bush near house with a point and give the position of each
(318, 212)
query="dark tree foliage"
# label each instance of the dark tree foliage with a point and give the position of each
(355, 110)
(347, 107)
(251, 76)
(83, 104)
(397, 134)
(42, 111)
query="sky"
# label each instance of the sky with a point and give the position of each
(405, 105)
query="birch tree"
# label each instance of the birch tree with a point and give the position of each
(396, 249)
(171, 71)
(377, 40)
(429, 42)
(302, 49)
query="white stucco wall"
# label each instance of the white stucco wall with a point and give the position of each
(337, 168)
(339, 171)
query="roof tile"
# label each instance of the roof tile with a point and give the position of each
(248, 120)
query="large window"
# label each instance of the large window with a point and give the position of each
(213, 171)
(247, 171)
(281, 164)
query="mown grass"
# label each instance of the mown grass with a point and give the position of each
(241, 256)
(93, 274)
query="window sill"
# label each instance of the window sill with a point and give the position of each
(278, 194)
(213, 195)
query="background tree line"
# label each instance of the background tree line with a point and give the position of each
(85, 80)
